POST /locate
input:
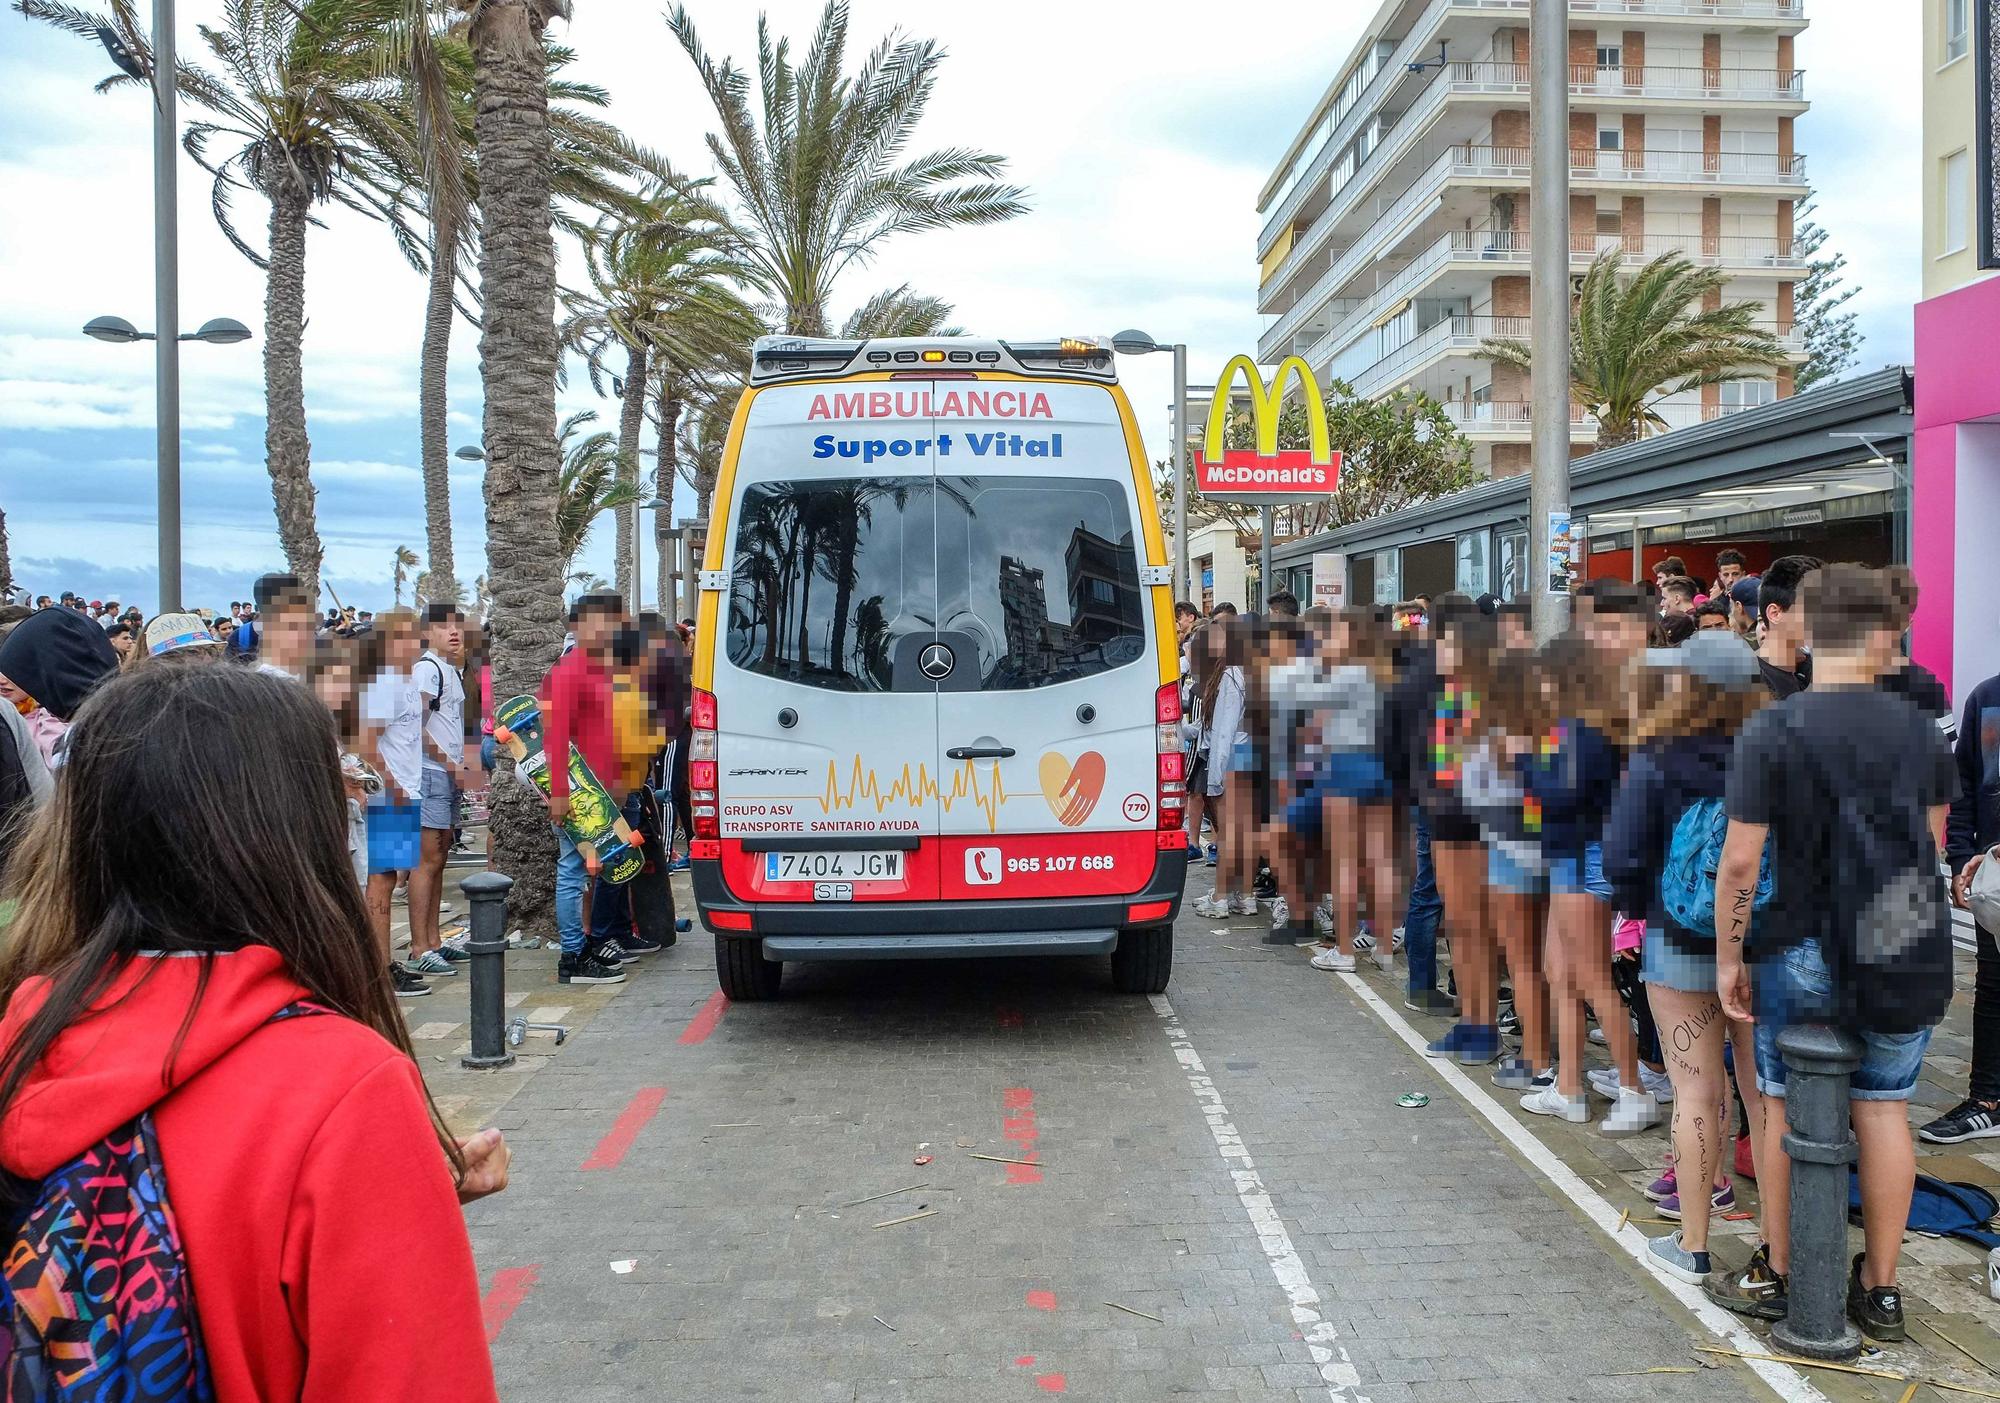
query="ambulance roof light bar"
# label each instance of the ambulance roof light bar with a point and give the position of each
(780, 358)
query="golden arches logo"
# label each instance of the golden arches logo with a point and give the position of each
(1265, 405)
(912, 789)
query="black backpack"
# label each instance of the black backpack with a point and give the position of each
(1890, 944)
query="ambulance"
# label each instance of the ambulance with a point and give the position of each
(936, 709)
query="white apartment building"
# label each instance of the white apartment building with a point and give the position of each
(1395, 234)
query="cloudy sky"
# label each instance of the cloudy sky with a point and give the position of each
(1143, 132)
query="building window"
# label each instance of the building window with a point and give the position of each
(1612, 56)
(1957, 211)
(1956, 26)
(1610, 139)
(1473, 574)
(1748, 394)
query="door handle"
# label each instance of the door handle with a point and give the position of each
(981, 752)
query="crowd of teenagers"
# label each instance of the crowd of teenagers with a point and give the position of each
(1694, 818)
(201, 837)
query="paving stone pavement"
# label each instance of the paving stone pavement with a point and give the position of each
(1434, 1258)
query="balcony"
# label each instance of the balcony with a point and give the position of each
(1587, 80)
(1514, 419)
(1748, 170)
(1663, 9)
(1479, 248)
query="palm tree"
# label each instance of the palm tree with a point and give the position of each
(900, 312)
(300, 99)
(819, 184)
(6, 564)
(588, 487)
(517, 357)
(663, 287)
(405, 558)
(1632, 343)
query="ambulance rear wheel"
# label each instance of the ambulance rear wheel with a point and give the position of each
(1143, 961)
(743, 972)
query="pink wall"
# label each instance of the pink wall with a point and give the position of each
(1955, 382)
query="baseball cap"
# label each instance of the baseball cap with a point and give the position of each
(169, 632)
(1715, 656)
(1744, 591)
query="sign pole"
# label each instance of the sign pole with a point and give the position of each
(1548, 223)
(167, 303)
(1270, 514)
(1183, 479)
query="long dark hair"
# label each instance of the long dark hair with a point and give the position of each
(200, 811)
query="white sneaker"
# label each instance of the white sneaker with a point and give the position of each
(1243, 905)
(1214, 906)
(1281, 914)
(1604, 1081)
(429, 963)
(1551, 1102)
(1399, 937)
(1323, 919)
(1334, 961)
(1596, 1035)
(1364, 939)
(1633, 1112)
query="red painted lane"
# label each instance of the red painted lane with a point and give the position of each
(510, 1287)
(1019, 1126)
(1042, 1300)
(703, 1023)
(1024, 1361)
(1051, 1383)
(617, 1141)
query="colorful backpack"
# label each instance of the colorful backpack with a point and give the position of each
(1687, 883)
(96, 1302)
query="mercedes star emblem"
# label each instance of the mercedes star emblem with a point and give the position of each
(936, 662)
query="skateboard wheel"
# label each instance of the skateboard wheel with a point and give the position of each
(502, 734)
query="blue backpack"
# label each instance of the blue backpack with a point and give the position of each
(1687, 884)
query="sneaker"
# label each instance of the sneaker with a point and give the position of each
(1281, 913)
(453, 949)
(582, 969)
(1631, 1113)
(679, 864)
(1194, 852)
(1209, 861)
(1968, 1120)
(1877, 1311)
(1284, 935)
(431, 962)
(1480, 1046)
(1596, 1035)
(1676, 1261)
(1242, 905)
(1515, 1074)
(1333, 961)
(1722, 1200)
(1756, 1290)
(1323, 919)
(1305, 937)
(1385, 961)
(1604, 1081)
(1550, 1101)
(1432, 1001)
(1662, 1188)
(1214, 906)
(1364, 939)
(1745, 1162)
(405, 984)
(637, 944)
(1510, 1022)
(610, 952)
(1449, 1044)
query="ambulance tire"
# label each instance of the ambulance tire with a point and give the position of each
(1144, 960)
(743, 972)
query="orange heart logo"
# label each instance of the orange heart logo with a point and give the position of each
(1072, 787)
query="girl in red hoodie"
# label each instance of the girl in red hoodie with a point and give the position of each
(184, 899)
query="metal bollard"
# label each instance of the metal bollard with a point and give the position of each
(487, 944)
(1819, 1061)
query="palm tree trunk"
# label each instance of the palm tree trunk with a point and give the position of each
(631, 420)
(6, 563)
(517, 354)
(440, 577)
(287, 450)
(665, 468)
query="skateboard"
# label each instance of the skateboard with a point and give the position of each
(594, 823)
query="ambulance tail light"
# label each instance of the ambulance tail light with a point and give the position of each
(1170, 755)
(702, 804)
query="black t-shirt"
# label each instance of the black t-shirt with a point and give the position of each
(1784, 681)
(1798, 765)
(1919, 686)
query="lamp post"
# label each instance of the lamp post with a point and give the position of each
(654, 505)
(217, 331)
(1548, 300)
(1138, 343)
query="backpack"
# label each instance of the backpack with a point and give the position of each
(1694, 853)
(1941, 1209)
(1889, 940)
(96, 1302)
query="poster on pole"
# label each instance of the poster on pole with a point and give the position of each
(1329, 579)
(1562, 553)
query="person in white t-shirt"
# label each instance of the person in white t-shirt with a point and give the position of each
(392, 738)
(443, 694)
(285, 648)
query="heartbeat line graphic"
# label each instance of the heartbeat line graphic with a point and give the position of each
(862, 784)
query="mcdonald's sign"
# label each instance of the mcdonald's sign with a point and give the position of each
(1266, 473)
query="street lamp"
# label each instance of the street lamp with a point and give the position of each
(655, 505)
(217, 331)
(1133, 342)
(471, 452)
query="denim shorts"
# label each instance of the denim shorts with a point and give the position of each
(1796, 987)
(1352, 774)
(1570, 876)
(394, 837)
(440, 799)
(1666, 964)
(1244, 759)
(1511, 871)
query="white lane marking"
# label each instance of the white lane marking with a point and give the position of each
(1343, 1382)
(1785, 1381)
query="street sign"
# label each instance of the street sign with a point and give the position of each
(1267, 475)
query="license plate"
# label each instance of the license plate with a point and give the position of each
(886, 866)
